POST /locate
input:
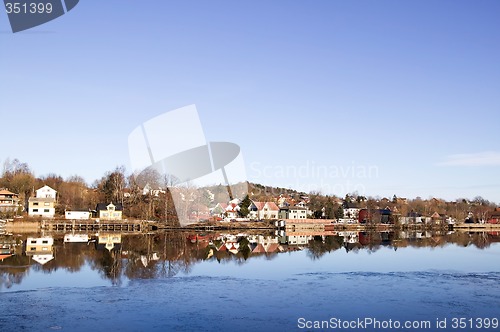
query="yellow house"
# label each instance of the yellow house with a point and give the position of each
(44, 204)
(109, 211)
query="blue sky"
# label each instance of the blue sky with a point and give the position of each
(389, 97)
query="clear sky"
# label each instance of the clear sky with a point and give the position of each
(382, 97)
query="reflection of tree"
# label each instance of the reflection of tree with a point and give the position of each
(13, 270)
(108, 264)
(318, 247)
(164, 255)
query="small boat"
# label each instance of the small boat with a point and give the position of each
(76, 238)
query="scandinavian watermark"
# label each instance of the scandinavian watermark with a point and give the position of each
(313, 176)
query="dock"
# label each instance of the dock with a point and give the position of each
(477, 227)
(91, 225)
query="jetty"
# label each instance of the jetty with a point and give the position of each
(92, 225)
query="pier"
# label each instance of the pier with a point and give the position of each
(91, 225)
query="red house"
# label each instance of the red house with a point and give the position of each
(494, 217)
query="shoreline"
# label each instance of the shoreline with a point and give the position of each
(290, 226)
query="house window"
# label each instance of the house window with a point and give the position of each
(33, 248)
(46, 204)
(35, 204)
(46, 210)
(45, 241)
(35, 210)
(33, 241)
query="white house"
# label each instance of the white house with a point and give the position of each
(43, 204)
(298, 239)
(77, 215)
(46, 192)
(293, 212)
(351, 210)
(263, 210)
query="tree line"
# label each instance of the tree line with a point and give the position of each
(146, 196)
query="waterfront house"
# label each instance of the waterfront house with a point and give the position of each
(263, 210)
(351, 210)
(109, 211)
(9, 201)
(293, 212)
(43, 204)
(382, 216)
(77, 215)
(40, 249)
(494, 216)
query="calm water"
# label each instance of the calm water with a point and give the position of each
(223, 282)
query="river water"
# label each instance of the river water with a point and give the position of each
(413, 281)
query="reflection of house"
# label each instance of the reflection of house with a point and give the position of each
(109, 211)
(77, 215)
(44, 203)
(293, 212)
(109, 241)
(263, 210)
(298, 239)
(76, 238)
(349, 237)
(263, 244)
(414, 220)
(9, 202)
(41, 249)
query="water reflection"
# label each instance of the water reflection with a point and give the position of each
(116, 257)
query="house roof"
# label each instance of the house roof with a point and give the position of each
(297, 208)
(46, 187)
(41, 199)
(233, 207)
(350, 205)
(259, 205)
(104, 206)
(259, 249)
(6, 192)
